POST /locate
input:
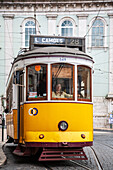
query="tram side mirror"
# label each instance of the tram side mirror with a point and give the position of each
(16, 77)
(6, 110)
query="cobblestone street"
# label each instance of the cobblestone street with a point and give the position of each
(100, 156)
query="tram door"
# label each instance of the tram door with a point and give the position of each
(21, 105)
(18, 80)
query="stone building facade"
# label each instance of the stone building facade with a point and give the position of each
(80, 18)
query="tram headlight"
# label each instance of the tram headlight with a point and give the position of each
(63, 125)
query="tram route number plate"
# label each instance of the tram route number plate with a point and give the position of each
(75, 41)
(51, 40)
(59, 40)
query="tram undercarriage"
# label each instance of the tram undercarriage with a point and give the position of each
(50, 153)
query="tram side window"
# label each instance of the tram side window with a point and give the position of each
(84, 83)
(37, 82)
(62, 82)
(9, 97)
(22, 88)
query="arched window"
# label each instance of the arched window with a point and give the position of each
(98, 33)
(67, 28)
(29, 29)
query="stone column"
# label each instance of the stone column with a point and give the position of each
(8, 41)
(82, 24)
(110, 90)
(110, 55)
(51, 24)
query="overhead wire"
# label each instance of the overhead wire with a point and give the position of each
(85, 35)
(10, 38)
(104, 71)
(94, 20)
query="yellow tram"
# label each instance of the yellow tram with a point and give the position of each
(49, 99)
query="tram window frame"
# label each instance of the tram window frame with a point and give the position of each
(85, 99)
(9, 96)
(38, 98)
(22, 87)
(73, 98)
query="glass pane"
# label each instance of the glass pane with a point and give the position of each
(30, 31)
(63, 24)
(70, 32)
(37, 81)
(67, 23)
(67, 31)
(100, 23)
(32, 23)
(26, 43)
(93, 40)
(27, 24)
(101, 30)
(33, 30)
(95, 23)
(63, 31)
(70, 23)
(67, 28)
(84, 82)
(93, 43)
(93, 30)
(101, 42)
(26, 37)
(97, 30)
(26, 30)
(97, 43)
(62, 81)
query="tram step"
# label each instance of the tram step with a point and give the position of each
(53, 154)
(18, 151)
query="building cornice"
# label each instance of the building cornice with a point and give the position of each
(8, 16)
(50, 16)
(82, 16)
(56, 5)
(55, 2)
(110, 15)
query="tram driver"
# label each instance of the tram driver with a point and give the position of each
(60, 94)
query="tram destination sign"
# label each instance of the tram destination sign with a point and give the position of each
(75, 42)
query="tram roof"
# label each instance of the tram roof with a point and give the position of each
(54, 51)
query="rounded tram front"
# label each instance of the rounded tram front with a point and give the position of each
(49, 103)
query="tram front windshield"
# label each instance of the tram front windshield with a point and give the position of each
(62, 81)
(37, 83)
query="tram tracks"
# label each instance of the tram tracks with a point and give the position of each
(105, 145)
(81, 165)
(98, 163)
(96, 159)
(47, 167)
(73, 162)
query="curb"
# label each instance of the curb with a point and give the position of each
(103, 130)
(3, 158)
